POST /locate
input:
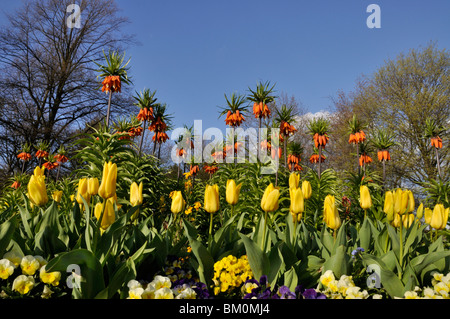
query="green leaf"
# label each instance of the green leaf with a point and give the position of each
(259, 262)
(394, 286)
(338, 262)
(7, 230)
(91, 271)
(205, 261)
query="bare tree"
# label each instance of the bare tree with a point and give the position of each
(48, 75)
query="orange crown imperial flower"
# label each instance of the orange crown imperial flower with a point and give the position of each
(111, 83)
(384, 155)
(145, 114)
(320, 140)
(315, 158)
(364, 159)
(261, 110)
(41, 154)
(24, 156)
(234, 119)
(436, 142)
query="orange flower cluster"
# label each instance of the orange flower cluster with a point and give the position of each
(293, 162)
(273, 152)
(135, 131)
(15, 185)
(111, 83)
(210, 169)
(126, 135)
(261, 110)
(61, 158)
(50, 165)
(41, 154)
(320, 140)
(158, 125)
(161, 137)
(356, 138)
(145, 114)
(24, 156)
(180, 152)
(384, 155)
(315, 158)
(436, 142)
(234, 119)
(265, 145)
(193, 170)
(286, 129)
(364, 159)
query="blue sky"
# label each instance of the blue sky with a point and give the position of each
(192, 52)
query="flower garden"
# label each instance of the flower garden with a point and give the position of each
(119, 225)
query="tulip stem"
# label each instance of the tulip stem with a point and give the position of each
(210, 225)
(263, 245)
(401, 251)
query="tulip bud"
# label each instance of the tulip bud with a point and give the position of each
(411, 203)
(109, 215)
(294, 179)
(136, 197)
(232, 192)
(57, 195)
(306, 189)
(389, 205)
(177, 202)
(330, 213)
(397, 221)
(211, 199)
(365, 200)
(37, 191)
(269, 201)
(82, 191)
(439, 217)
(107, 188)
(428, 213)
(407, 220)
(93, 186)
(297, 201)
(419, 212)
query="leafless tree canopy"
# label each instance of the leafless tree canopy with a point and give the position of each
(48, 76)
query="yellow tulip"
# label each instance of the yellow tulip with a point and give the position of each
(57, 195)
(269, 201)
(365, 200)
(330, 213)
(389, 205)
(407, 219)
(404, 202)
(419, 212)
(93, 186)
(37, 192)
(439, 217)
(306, 189)
(411, 203)
(83, 191)
(136, 197)
(397, 221)
(107, 188)
(211, 204)
(294, 179)
(232, 192)
(398, 201)
(177, 202)
(109, 216)
(297, 201)
(428, 213)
